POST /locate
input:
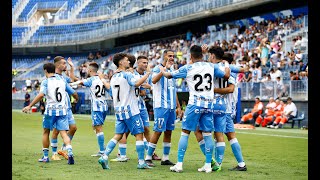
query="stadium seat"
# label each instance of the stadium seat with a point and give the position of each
(300, 117)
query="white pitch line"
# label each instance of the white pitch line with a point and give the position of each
(273, 135)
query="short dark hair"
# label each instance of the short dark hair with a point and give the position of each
(132, 59)
(289, 99)
(94, 65)
(196, 52)
(49, 67)
(228, 57)
(217, 51)
(118, 57)
(57, 59)
(142, 57)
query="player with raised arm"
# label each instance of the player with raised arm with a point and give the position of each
(199, 76)
(123, 86)
(122, 148)
(99, 106)
(55, 116)
(219, 106)
(142, 65)
(61, 66)
(165, 101)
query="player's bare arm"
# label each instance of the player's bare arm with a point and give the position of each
(165, 74)
(226, 90)
(146, 86)
(71, 73)
(178, 105)
(104, 81)
(75, 96)
(226, 70)
(141, 80)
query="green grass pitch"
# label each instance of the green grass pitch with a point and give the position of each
(268, 154)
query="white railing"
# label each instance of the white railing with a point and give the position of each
(18, 9)
(116, 27)
(32, 12)
(62, 9)
(51, 5)
(296, 89)
(104, 10)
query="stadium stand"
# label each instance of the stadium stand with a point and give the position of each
(286, 32)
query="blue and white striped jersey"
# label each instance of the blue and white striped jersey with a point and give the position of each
(164, 91)
(231, 98)
(124, 97)
(68, 80)
(199, 77)
(141, 103)
(97, 92)
(221, 82)
(56, 89)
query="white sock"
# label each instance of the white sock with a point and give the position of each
(148, 157)
(165, 157)
(207, 165)
(105, 157)
(241, 164)
(141, 161)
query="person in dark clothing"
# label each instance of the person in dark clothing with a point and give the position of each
(26, 99)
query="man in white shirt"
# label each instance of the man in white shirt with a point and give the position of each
(289, 112)
(28, 84)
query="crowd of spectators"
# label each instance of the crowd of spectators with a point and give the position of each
(259, 48)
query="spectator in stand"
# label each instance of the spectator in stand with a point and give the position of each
(302, 67)
(36, 85)
(189, 35)
(255, 112)
(26, 99)
(281, 88)
(272, 74)
(275, 60)
(264, 49)
(291, 55)
(29, 85)
(268, 85)
(83, 73)
(256, 78)
(247, 76)
(289, 112)
(14, 89)
(278, 73)
(303, 75)
(298, 57)
(294, 76)
(90, 57)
